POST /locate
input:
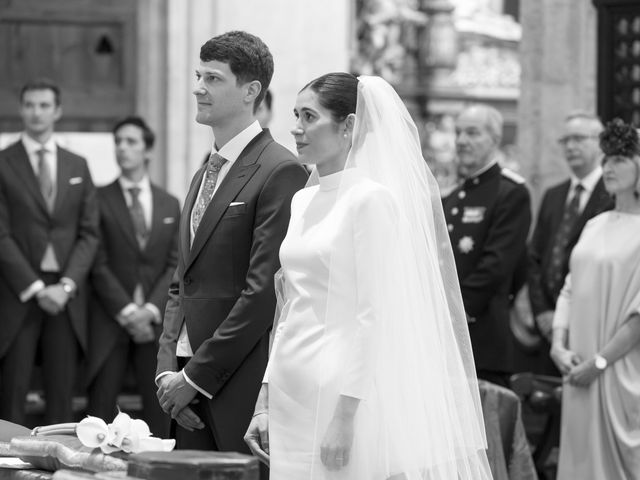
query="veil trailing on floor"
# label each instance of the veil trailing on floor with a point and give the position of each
(423, 418)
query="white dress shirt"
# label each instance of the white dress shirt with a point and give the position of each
(49, 261)
(588, 183)
(51, 156)
(146, 200)
(144, 196)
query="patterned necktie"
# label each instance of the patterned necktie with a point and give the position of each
(44, 178)
(137, 216)
(213, 167)
(559, 257)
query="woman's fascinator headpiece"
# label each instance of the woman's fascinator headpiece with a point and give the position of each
(619, 139)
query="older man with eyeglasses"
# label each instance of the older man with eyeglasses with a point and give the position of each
(564, 211)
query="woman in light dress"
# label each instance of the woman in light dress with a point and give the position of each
(371, 373)
(596, 328)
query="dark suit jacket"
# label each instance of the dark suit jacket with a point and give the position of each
(488, 218)
(26, 227)
(223, 288)
(121, 265)
(549, 217)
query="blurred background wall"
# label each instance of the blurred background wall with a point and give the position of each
(535, 61)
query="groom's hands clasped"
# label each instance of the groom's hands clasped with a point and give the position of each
(174, 395)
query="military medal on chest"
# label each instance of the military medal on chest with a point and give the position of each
(466, 244)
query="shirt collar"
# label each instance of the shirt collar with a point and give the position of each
(144, 185)
(480, 171)
(234, 147)
(31, 146)
(589, 182)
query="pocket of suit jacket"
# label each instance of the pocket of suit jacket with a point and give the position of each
(236, 208)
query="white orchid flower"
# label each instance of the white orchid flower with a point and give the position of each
(92, 432)
(153, 444)
(124, 433)
(119, 429)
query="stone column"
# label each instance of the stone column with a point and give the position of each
(558, 58)
(170, 34)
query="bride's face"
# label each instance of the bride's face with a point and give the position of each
(319, 139)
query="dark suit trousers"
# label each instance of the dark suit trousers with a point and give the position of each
(59, 348)
(104, 390)
(201, 439)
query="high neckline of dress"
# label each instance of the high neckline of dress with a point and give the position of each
(334, 180)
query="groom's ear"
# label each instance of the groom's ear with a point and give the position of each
(253, 90)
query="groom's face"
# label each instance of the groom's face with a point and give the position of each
(219, 97)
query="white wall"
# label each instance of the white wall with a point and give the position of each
(307, 38)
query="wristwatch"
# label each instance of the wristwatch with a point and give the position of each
(600, 362)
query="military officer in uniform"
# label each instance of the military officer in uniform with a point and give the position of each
(488, 218)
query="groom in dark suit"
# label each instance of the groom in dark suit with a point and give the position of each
(130, 278)
(564, 211)
(214, 345)
(48, 239)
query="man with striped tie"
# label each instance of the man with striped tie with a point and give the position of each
(130, 278)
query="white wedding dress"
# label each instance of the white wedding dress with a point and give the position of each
(315, 356)
(371, 309)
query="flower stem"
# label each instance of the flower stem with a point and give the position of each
(56, 429)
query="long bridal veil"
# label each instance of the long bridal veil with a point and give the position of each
(423, 418)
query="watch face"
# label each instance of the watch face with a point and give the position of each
(601, 363)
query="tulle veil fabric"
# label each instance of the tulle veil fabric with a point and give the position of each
(423, 418)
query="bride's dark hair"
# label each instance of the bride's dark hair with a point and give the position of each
(337, 92)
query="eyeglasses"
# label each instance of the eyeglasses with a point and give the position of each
(574, 138)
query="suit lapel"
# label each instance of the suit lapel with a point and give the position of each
(559, 203)
(19, 161)
(596, 204)
(185, 217)
(240, 173)
(233, 182)
(118, 206)
(157, 216)
(63, 175)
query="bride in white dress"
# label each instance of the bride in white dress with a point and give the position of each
(371, 372)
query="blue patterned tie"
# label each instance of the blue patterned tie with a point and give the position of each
(556, 269)
(213, 167)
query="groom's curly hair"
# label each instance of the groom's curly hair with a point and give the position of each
(248, 57)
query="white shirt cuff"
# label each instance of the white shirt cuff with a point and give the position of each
(157, 318)
(31, 290)
(125, 312)
(71, 283)
(204, 392)
(163, 374)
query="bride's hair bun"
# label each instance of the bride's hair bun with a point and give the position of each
(619, 139)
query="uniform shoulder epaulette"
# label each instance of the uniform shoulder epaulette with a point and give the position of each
(511, 175)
